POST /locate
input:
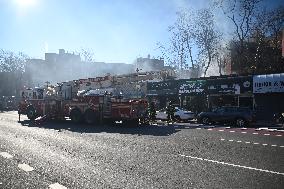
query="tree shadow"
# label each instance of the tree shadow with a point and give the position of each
(154, 130)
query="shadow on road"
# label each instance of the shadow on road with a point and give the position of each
(155, 130)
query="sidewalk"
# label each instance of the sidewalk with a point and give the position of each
(268, 124)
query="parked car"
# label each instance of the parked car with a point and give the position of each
(180, 114)
(240, 116)
(278, 117)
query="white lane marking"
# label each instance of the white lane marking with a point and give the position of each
(234, 165)
(232, 131)
(6, 155)
(227, 127)
(247, 142)
(244, 128)
(266, 134)
(221, 130)
(186, 127)
(198, 128)
(244, 132)
(278, 135)
(25, 167)
(57, 186)
(209, 129)
(255, 133)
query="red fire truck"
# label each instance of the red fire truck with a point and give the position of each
(89, 109)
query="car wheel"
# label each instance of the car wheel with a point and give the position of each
(76, 116)
(240, 122)
(205, 120)
(177, 118)
(31, 113)
(90, 116)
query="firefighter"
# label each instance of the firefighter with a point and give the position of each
(152, 111)
(170, 110)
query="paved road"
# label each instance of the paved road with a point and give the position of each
(63, 155)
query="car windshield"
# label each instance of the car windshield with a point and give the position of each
(180, 109)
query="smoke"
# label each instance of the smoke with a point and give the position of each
(62, 67)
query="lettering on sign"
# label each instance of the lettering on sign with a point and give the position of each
(268, 83)
(192, 87)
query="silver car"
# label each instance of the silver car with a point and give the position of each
(180, 114)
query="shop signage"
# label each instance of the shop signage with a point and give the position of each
(163, 88)
(192, 87)
(228, 89)
(233, 85)
(272, 83)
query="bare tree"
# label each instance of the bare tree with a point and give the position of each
(182, 35)
(207, 37)
(10, 61)
(267, 36)
(87, 55)
(12, 72)
(178, 53)
(222, 58)
(271, 24)
(242, 14)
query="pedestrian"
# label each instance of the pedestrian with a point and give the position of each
(152, 111)
(170, 110)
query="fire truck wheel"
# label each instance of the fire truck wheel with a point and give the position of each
(31, 113)
(76, 115)
(90, 116)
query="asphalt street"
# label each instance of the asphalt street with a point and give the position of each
(61, 155)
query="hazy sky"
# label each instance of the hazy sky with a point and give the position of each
(116, 30)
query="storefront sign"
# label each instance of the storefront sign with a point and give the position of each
(231, 85)
(227, 89)
(163, 88)
(272, 83)
(192, 87)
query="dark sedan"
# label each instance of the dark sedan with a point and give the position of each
(240, 116)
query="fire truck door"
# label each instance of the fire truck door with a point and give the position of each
(107, 107)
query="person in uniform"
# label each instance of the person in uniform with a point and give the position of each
(152, 111)
(170, 110)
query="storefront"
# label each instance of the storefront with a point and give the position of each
(193, 94)
(163, 92)
(269, 95)
(230, 91)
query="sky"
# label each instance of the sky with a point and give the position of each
(116, 30)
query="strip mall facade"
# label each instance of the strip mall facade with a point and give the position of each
(262, 93)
